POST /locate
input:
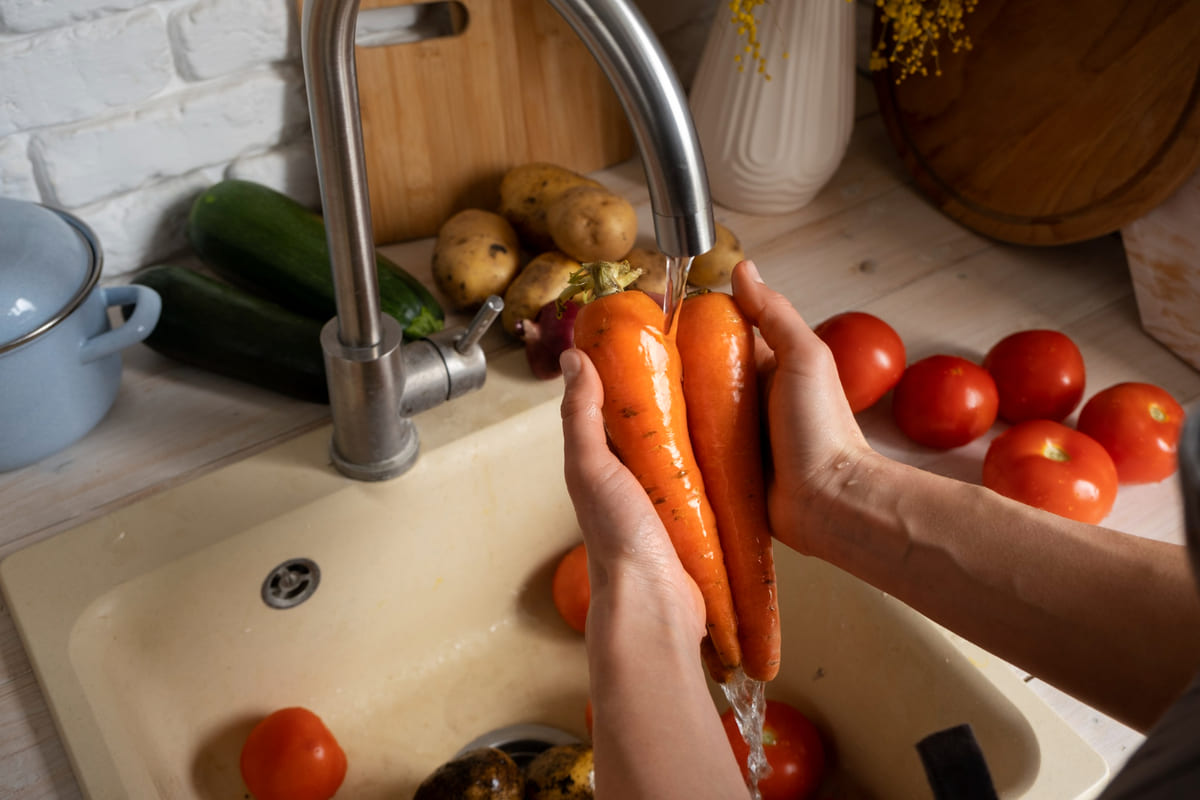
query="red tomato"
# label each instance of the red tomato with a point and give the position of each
(1044, 463)
(1039, 374)
(869, 355)
(291, 755)
(793, 748)
(1138, 424)
(945, 401)
(572, 592)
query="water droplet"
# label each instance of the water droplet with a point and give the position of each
(842, 465)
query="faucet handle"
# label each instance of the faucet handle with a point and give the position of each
(478, 326)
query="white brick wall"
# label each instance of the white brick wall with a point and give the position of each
(121, 111)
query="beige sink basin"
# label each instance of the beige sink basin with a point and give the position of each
(432, 624)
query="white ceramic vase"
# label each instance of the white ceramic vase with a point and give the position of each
(770, 145)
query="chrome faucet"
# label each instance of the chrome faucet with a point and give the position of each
(376, 382)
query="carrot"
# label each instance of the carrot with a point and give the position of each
(646, 420)
(720, 389)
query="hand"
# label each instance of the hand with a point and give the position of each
(812, 432)
(626, 542)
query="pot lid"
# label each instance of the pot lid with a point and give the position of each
(49, 262)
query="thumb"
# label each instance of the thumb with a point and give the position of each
(782, 328)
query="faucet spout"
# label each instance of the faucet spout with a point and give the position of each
(648, 88)
(375, 381)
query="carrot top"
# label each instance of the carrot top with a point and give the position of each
(597, 279)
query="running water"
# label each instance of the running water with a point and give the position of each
(747, 698)
(677, 272)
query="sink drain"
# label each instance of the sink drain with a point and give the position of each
(291, 583)
(522, 741)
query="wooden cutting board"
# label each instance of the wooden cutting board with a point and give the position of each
(444, 118)
(1065, 121)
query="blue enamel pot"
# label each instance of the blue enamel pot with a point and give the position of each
(60, 359)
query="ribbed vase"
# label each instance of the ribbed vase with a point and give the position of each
(770, 145)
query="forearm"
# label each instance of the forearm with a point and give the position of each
(1108, 617)
(656, 733)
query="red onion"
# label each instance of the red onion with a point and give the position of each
(548, 336)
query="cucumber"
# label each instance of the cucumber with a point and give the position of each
(223, 329)
(263, 240)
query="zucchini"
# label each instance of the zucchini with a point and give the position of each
(223, 329)
(263, 240)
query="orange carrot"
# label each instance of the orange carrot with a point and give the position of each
(720, 389)
(646, 420)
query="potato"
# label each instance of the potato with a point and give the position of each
(483, 774)
(541, 281)
(563, 772)
(715, 267)
(526, 192)
(653, 265)
(590, 223)
(477, 254)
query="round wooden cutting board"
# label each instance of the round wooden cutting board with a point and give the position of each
(1065, 121)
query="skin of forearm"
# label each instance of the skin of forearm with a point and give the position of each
(1108, 617)
(656, 732)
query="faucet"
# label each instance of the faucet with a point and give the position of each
(376, 381)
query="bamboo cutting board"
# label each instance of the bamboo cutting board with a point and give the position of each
(444, 118)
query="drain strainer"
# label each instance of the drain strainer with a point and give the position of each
(522, 741)
(291, 583)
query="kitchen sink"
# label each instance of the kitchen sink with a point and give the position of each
(431, 623)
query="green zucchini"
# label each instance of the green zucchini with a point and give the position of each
(263, 240)
(226, 330)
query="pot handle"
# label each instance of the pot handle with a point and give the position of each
(147, 305)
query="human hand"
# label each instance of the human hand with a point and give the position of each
(812, 431)
(628, 547)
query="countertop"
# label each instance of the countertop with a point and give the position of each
(869, 241)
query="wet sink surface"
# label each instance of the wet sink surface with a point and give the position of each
(432, 623)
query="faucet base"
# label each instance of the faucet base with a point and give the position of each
(384, 470)
(372, 441)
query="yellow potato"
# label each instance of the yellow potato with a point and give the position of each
(563, 772)
(590, 223)
(541, 281)
(526, 192)
(653, 265)
(715, 267)
(476, 255)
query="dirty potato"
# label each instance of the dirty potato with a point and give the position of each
(526, 192)
(653, 265)
(715, 267)
(590, 223)
(483, 774)
(563, 772)
(476, 255)
(541, 281)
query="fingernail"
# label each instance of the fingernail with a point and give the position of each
(752, 268)
(568, 361)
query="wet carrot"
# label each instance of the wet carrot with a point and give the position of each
(720, 390)
(646, 419)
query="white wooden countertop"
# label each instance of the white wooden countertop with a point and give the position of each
(869, 241)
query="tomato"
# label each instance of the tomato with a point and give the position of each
(869, 355)
(793, 748)
(291, 755)
(1046, 464)
(571, 589)
(1039, 374)
(1138, 424)
(945, 401)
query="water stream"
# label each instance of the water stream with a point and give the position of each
(747, 698)
(677, 272)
